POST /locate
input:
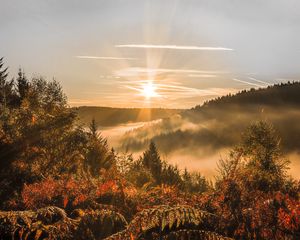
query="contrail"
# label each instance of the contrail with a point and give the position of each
(105, 58)
(176, 47)
(134, 70)
(256, 80)
(254, 84)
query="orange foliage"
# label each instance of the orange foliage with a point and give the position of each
(56, 192)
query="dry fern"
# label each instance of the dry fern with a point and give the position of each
(165, 221)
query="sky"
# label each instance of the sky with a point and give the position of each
(154, 53)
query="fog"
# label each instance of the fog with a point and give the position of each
(198, 140)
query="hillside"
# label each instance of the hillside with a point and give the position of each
(217, 123)
(108, 116)
(279, 94)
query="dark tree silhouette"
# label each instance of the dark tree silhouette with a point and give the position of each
(6, 87)
(153, 162)
(22, 85)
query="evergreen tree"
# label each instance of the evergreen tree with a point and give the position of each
(151, 160)
(93, 128)
(6, 88)
(170, 175)
(22, 85)
(98, 155)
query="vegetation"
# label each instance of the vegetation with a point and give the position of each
(284, 93)
(107, 116)
(208, 128)
(61, 181)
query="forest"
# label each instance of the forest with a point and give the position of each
(108, 116)
(216, 124)
(61, 180)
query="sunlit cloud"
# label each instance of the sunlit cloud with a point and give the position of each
(175, 47)
(202, 75)
(259, 81)
(133, 71)
(246, 82)
(106, 58)
(169, 91)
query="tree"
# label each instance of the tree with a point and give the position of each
(250, 185)
(93, 128)
(97, 155)
(151, 160)
(39, 137)
(22, 85)
(265, 167)
(6, 88)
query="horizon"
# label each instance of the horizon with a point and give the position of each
(130, 54)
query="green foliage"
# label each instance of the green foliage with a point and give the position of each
(97, 154)
(194, 182)
(139, 175)
(151, 160)
(22, 86)
(170, 175)
(258, 160)
(6, 90)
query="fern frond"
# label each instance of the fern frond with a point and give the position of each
(100, 224)
(192, 234)
(163, 219)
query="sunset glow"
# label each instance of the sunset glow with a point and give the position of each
(150, 119)
(149, 90)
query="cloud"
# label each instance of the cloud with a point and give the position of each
(171, 91)
(249, 83)
(133, 71)
(105, 58)
(175, 47)
(259, 81)
(202, 75)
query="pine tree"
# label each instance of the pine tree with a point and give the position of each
(98, 155)
(93, 128)
(22, 85)
(6, 87)
(152, 161)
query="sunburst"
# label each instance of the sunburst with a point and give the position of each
(149, 90)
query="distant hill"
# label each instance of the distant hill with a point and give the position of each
(217, 123)
(108, 116)
(279, 94)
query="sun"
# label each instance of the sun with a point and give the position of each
(149, 90)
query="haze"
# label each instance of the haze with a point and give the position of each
(108, 52)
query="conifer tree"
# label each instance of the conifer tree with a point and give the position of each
(93, 128)
(98, 155)
(153, 162)
(22, 85)
(6, 87)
